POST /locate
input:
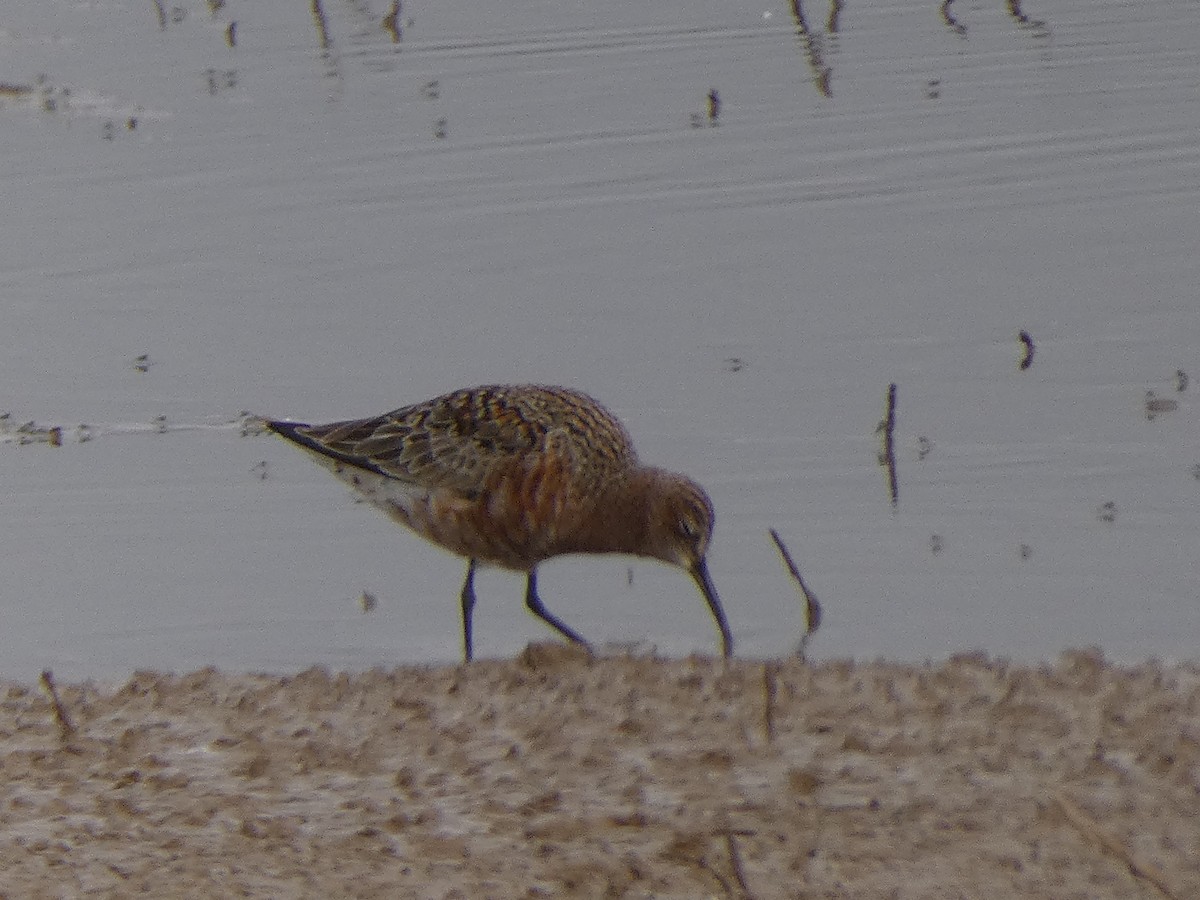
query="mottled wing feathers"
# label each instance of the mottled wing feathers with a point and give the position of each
(311, 438)
(458, 440)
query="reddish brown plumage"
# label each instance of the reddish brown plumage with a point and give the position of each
(515, 475)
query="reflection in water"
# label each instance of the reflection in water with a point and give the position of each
(364, 32)
(1014, 10)
(1156, 405)
(713, 114)
(325, 42)
(811, 43)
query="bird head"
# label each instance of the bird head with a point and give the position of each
(681, 523)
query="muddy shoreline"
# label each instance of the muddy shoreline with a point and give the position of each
(553, 774)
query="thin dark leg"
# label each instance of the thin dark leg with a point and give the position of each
(534, 603)
(468, 606)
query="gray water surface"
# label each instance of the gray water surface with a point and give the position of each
(321, 223)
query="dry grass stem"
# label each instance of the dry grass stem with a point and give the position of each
(1090, 828)
(65, 725)
(769, 688)
(735, 862)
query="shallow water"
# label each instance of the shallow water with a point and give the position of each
(280, 228)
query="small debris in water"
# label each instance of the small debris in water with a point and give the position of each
(142, 363)
(391, 23)
(250, 425)
(1156, 406)
(367, 602)
(219, 81)
(887, 453)
(1107, 512)
(924, 447)
(30, 432)
(936, 544)
(1027, 360)
(1181, 380)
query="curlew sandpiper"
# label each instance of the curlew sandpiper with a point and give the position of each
(511, 476)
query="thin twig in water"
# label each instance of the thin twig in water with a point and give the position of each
(65, 725)
(812, 606)
(887, 456)
(1089, 828)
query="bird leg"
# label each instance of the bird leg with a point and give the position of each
(468, 606)
(534, 604)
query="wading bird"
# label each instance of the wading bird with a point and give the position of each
(511, 476)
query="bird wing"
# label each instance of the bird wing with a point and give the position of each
(458, 440)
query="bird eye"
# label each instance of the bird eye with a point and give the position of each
(689, 529)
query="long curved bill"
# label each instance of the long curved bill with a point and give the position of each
(704, 582)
